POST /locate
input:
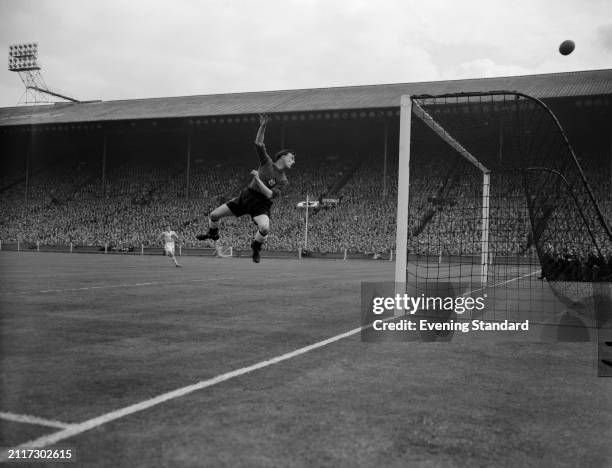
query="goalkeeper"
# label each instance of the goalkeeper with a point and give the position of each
(256, 199)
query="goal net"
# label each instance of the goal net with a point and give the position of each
(493, 202)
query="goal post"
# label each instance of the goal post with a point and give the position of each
(403, 193)
(491, 198)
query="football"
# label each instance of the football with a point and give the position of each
(567, 47)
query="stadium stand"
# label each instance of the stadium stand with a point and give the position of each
(75, 194)
(66, 207)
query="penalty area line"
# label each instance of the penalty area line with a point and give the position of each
(133, 285)
(527, 275)
(99, 287)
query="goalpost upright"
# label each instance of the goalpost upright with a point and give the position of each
(403, 193)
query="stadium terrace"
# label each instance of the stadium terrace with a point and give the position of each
(105, 175)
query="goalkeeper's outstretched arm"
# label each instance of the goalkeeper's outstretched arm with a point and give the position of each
(259, 139)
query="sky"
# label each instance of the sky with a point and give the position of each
(129, 49)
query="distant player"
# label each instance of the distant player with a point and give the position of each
(256, 199)
(168, 238)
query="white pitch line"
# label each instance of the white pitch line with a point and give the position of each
(131, 285)
(503, 282)
(217, 279)
(24, 418)
(516, 279)
(76, 429)
(99, 287)
(79, 428)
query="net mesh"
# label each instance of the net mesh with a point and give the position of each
(499, 205)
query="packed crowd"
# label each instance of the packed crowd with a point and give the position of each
(68, 205)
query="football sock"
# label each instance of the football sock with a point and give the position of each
(260, 238)
(256, 246)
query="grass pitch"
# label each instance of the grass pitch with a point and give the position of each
(84, 336)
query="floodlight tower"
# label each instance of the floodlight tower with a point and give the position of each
(23, 59)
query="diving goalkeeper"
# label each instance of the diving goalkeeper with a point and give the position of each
(256, 199)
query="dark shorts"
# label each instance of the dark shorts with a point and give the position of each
(251, 203)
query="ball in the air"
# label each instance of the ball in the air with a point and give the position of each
(567, 47)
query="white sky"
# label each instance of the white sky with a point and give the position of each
(125, 49)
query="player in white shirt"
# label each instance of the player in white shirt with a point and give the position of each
(168, 238)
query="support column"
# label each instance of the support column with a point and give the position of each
(27, 174)
(188, 162)
(306, 223)
(386, 141)
(104, 165)
(500, 150)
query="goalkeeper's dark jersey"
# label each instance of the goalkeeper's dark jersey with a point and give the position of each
(272, 178)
